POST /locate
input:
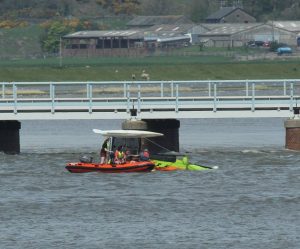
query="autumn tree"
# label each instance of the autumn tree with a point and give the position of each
(128, 7)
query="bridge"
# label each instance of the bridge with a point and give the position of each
(150, 99)
(159, 103)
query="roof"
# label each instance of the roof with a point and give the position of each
(106, 33)
(127, 133)
(153, 20)
(157, 35)
(167, 32)
(222, 12)
(165, 37)
(293, 26)
(228, 28)
(179, 28)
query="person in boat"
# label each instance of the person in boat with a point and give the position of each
(111, 155)
(145, 155)
(104, 152)
(128, 155)
(119, 155)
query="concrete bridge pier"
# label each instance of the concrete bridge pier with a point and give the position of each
(292, 126)
(156, 145)
(9, 137)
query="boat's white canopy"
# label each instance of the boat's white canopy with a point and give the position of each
(127, 133)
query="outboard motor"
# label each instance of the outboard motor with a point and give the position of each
(86, 159)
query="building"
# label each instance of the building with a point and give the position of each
(191, 31)
(237, 35)
(127, 42)
(230, 15)
(103, 43)
(167, 37)
(145, 35)
(291, 26)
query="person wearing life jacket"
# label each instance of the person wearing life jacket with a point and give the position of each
(144, 155)
(119, 156)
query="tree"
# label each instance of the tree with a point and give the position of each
(128, 7)
(54, 30)
(159, 7)
(292, 13)
(50, 40)
(199, 9)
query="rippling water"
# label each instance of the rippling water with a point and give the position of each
(251, 201)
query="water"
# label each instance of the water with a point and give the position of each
(251, 201)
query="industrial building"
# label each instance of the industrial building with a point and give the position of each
(237, 35)
(167, 37)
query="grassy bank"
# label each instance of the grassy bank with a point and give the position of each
(159, 68)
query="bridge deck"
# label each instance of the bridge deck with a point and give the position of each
(36, 100)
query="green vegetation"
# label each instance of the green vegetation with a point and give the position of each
(30, 32)
(20, 42)
(159, 68)
(197, 10)
(32, 28)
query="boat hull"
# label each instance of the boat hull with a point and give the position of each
(177, 165)
(81, 167)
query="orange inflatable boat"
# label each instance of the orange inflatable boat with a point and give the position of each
(82, 167)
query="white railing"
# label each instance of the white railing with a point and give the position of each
(149, 96)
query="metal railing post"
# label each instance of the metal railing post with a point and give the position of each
(253, 98)
(177, 100)
(128, 98)
(90, 97)
(284, 88)
(3, 90)
(247, 88)
(172, 89)
(292, 97)
(52, 96)
(87, 90)
(215, 97)
(139, 98)
(15, 96)
(209, 89)
(125, 90)
(50, 90)
(162, 89)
